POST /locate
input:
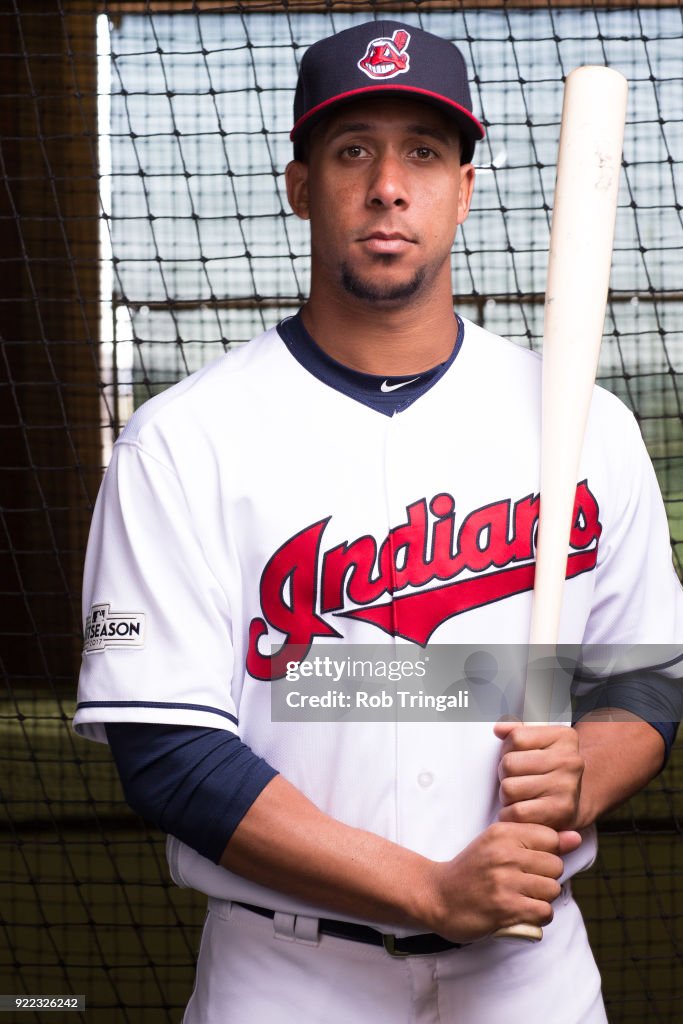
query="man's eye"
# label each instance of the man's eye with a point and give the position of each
(353, 151)
(424, 152)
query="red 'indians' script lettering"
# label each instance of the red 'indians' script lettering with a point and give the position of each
(496, 543)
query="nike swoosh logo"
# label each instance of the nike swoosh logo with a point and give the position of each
(386, 386)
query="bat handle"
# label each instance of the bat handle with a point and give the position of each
(520, 932)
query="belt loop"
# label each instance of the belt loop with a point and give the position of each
(306, 930)
(283, 926)
(221, 908)
(296, 928)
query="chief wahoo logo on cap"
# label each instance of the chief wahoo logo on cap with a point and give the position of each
(386, 58)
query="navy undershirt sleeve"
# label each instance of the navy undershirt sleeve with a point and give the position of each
(650, 696)
(193, 783)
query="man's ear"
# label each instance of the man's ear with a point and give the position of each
(466, 190)
(296, 178)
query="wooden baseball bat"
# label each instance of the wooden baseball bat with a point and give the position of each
(581, 240)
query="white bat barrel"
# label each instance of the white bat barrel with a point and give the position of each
(581, 240)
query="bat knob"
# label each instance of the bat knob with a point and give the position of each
(520, 932)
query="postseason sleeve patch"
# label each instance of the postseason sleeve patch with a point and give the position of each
(105, 628)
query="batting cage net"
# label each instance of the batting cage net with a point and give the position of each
(145, 229)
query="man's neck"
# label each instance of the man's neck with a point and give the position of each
(380, 340)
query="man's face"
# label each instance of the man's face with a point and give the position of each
(385, 191)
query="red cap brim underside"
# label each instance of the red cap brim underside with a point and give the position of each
(295, 133)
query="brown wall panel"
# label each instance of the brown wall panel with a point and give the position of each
(49, 289)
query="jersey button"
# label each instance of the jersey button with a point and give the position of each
(425, 779)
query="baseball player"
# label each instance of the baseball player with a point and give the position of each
(366, 472)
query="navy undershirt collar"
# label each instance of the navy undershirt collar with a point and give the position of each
(387, 395)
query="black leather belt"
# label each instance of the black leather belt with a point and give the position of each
(411, 945)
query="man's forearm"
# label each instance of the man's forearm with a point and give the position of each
(286, 843)
(507, 874)
(620, 758)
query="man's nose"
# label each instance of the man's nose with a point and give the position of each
(388, 186)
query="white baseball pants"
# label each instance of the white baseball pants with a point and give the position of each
(246, 974)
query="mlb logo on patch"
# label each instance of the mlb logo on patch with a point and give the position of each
(105, 628)
(386, 58)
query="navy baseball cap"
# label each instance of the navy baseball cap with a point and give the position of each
(389, 57)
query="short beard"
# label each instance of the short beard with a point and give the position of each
(388, 294)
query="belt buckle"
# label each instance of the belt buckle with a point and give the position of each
(389, 943)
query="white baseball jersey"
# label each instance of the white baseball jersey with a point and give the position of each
(254, 504)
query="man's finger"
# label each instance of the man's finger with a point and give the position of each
(569, 840)
(519, 737)
(531, 836)
(519, 763)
